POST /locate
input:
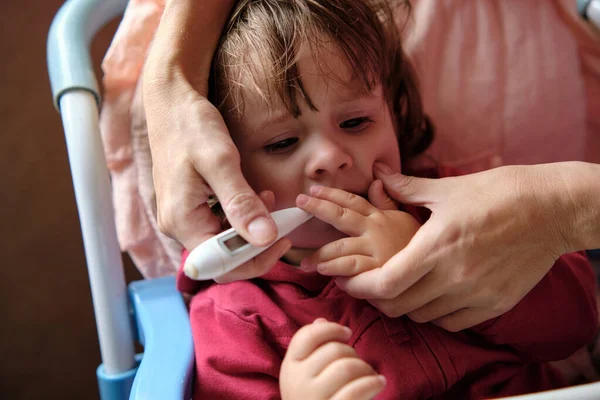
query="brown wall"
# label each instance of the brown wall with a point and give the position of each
(48, 344)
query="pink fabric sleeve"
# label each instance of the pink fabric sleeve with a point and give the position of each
(124, 134)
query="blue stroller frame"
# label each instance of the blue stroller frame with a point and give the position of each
(151, 311)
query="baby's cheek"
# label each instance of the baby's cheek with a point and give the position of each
(283, 178)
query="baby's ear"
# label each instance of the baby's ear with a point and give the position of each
(268, 198)
(379, 198)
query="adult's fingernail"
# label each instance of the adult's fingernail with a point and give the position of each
(384, 169)
(262, 229)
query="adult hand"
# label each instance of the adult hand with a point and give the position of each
(491, 238)
(319, 365)
(193, 154)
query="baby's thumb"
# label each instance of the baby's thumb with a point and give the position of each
(408, 189)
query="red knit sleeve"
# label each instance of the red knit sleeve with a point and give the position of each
(237, 356)
(556, 318)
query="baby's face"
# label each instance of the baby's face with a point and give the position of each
(335, 146)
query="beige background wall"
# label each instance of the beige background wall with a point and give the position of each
(48, 344)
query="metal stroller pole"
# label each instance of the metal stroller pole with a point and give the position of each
(76, 95)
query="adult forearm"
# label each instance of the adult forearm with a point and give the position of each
(187, 36)
(581, 228)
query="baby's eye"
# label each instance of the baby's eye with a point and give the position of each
(281, 146)
(355, 124)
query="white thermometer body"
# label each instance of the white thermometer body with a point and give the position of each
(228, 250)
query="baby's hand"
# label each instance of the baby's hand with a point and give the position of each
(319, 365)
(376, 234)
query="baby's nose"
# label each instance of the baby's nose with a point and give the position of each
(328, 159)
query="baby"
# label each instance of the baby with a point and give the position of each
(316, 94)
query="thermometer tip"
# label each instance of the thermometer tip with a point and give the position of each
(190, 271)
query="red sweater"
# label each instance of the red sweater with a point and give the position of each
(242, 329)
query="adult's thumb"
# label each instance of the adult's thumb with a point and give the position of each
(245, 210)
(408, 189)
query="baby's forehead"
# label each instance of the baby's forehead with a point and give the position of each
(322, 90)
(257, 75)
(316, 78)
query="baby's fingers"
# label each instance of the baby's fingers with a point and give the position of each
(365, 388)
(311, 337)
(343, 247)
(342, 373)
(347, 266)
(328, 353)
(343, 219)
(343, 199)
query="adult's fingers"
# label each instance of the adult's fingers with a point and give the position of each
(465, 318)
(379, 198)
(440, 307)
(312, 336)
(426, 290)
(196, 226)
(243, 208)
(410, 189)
(188, 135)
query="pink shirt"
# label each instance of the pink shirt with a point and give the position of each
(507, 82)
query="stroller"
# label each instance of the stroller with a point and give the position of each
(151, 312)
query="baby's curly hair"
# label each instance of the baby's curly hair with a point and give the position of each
(260, 44)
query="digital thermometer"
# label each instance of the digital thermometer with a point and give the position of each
(228, 250)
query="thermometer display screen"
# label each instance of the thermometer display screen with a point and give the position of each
(235, 242)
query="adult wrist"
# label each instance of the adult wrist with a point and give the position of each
(188, 35)
(540, 197)
(582, 200)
